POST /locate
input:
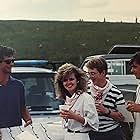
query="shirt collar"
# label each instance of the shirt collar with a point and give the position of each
(11, 79)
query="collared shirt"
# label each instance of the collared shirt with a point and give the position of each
(136, 130)
(12, 101)
(84, 106)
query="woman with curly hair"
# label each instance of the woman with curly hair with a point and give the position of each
(81, 115)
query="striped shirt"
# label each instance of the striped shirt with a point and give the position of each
(112, 98)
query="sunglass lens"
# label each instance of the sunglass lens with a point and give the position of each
(9, 61)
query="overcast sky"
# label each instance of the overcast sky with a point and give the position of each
(88, 10)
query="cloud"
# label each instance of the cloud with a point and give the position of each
(21, 5)
(9, 5)
(69, 9)
(39, 1)
(93, 3)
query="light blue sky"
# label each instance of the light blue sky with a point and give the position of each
(88, 10)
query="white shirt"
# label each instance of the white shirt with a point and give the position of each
(136, 131)
(84, 105)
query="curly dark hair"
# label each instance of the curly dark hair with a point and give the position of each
(64, 71)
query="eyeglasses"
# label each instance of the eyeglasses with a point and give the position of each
(8, 61)
(90, 73)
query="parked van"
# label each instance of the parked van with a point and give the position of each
(40, 93)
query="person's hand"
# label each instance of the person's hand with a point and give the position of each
(133, 107)
(117, 116)
(130, 102)
(28, 122)
(104, 111)
(67, 114)
(101, 109)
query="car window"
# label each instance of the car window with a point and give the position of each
(115, 67)
(128, 67)
(39, 90)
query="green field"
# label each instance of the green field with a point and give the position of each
(69, 41)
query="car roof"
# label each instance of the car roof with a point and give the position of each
(124, 52)
(31, 61)
(124, 49)
(31, 70)
(111, 56)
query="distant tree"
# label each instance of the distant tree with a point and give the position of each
(104, 20)
(136, 21)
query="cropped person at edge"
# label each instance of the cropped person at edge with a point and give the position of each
(107, 97)
(12, 99)
(81, 117)
(134, 107)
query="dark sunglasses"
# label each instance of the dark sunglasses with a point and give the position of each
(8, 61)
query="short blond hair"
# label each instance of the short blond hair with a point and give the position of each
(97, 62)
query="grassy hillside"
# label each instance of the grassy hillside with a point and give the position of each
(69, 41)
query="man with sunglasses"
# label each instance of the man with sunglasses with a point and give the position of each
(12, 99)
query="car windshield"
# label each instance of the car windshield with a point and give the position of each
(39, 90)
